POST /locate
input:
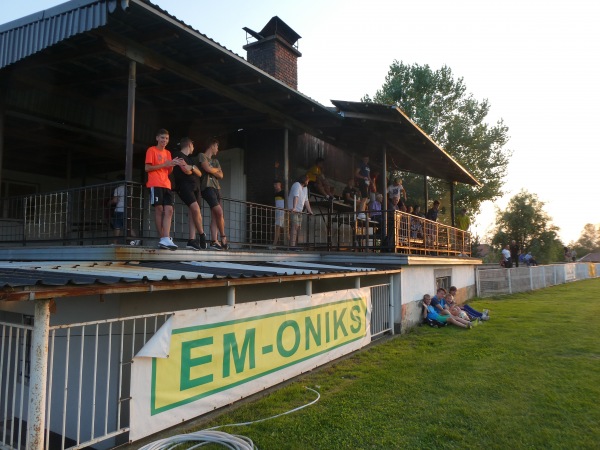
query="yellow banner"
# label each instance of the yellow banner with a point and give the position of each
(207, 359)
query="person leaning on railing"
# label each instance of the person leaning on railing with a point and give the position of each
(297, 201)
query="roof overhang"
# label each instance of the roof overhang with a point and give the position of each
(65, 77)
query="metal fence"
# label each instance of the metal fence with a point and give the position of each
(15, 351)
(381, 310)
(87, 216)
(89, 376)
(500, 281)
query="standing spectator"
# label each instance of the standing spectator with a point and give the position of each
(573, 255)
(280, 211)
(117, 222)
(463, 221)
(187, 185)
(317, 183)
(297, 201)
(158, 166)
(515, 251)
(506, 258)
(396, 189)
(363, 178)
(211, 192)
(431, 229)
(433, 212)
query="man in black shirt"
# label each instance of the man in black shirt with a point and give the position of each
(187, 186)
(515, 251)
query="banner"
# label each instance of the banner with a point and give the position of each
(218, 355)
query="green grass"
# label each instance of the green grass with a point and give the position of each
(528, 378)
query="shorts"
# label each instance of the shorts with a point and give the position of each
(441, 319)
(160, 196)
(212, 196)
(296, 218)
(189, 195)
(116, 222)
(363, 187)
(279, 213)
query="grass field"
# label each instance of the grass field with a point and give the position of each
(528, 378)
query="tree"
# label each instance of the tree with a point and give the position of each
(589, 240)
(526, 222)
(441, 106)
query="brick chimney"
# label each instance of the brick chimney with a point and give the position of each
(275, 51)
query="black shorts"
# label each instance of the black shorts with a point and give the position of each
(364, 188)
(189, 194)
(212, 196)
(160, 196)
(116, 222)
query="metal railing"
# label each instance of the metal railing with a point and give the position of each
(15, 351)
(86, 216)
(500, 281)
(89, 376)
(381, 307)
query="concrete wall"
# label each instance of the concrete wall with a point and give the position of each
(419, 280)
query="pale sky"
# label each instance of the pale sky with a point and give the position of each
(537, 62)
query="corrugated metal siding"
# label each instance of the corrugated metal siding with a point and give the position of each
(52, 26)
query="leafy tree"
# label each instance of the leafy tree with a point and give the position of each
(589, 240)
(441, 106)
(525, 221)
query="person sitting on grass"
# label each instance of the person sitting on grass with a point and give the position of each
(431, 313)
(472, 313)
(438, 301)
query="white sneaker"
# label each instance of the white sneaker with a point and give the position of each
(167, 242)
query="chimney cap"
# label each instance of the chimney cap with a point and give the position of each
(278, 27)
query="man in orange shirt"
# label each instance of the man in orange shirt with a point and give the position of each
(158, 167)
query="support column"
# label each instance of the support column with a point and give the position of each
(452, 206)
(231, 296)
(2, 117)
(383, 186)
(308, 287)
(130, 122)
(36, 416)
(286, 162)
(425, 193)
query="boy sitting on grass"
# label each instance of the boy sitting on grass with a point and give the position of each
(430, 312)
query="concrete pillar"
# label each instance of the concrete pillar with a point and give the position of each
(36, 416)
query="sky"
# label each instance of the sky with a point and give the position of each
(537, 63)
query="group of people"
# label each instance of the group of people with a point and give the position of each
(442, 309)
(512, 256)
(195, 178)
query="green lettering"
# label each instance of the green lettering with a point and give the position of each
(187, 362)
(230, 350)
(280, 348)
(311, 331)
(356, 317)
(338, 323)
(327, 330)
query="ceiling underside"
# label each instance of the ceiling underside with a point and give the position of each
(66, 103)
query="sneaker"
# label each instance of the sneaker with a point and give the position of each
(135, 242)
(193, 244)
(485, 317)
(474, 322)
(215, 246)
(225, 246)
(202, 240)
(167, 242)
(486, 312)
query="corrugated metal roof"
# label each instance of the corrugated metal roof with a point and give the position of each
(62, 273)
(31, 34)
